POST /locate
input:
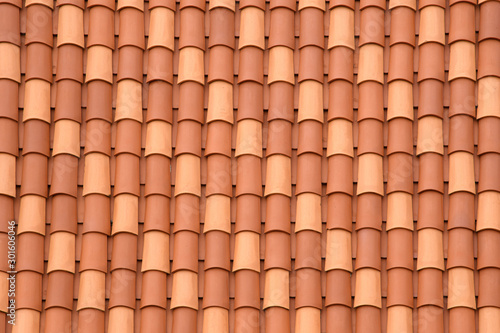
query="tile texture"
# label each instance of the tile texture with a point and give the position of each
(251, 166)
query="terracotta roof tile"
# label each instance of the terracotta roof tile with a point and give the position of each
(243, 166)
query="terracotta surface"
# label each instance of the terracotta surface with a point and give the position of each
(252, 166)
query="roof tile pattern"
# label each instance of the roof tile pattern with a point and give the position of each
(281, 166)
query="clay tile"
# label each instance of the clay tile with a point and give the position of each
(219, 175)
(154, 290)
(368, 251)
(311, 64)
(462, 61)
(281, 65)
(159, 65)
(250, 97)
(221, 27)
(432, 25)
(370, 66)
(400, 249)
(371, 104)
(97, 214)
(341, 64)
(308, 212)
(64, 175)
(489, 291)
(153, 317)
(487, 63)
(279, 138)
(37, 101)
(251, 28)
(29, 257)
(47, 3)
(219, 142)
(340, 100)
(462, 318)
(217, 214)
(488, 98)
(370, 138)
(191, 102)
(29, 296)
(248, 213)
(430, 135)
(131, 28)
(488, 24)
(277, 214)
(431, 176)
(187, 213)
(39, 25)
(9, 137)
(345, 3)
(430, 98)
(220, 102)
(32, 214)
(308, 174)
(7, 212)
(400, 317)
(431, 62)
(400, 287)
(401, 64)
(9, 97)
(101, 27)
(249, 138)
(400, 175)
(137, 4)
(200, 4)
(184, 319)
(252, 3)
(129, 101)
(247, 290)
(248, 175)
(39, 62)
(159, 138)
(10, 67)
(308, 319)
(430, 285)
(341, 32)
(70, 26)
(123, 255)
(128, 137)
(368, 291)
(400, 137)
(191, 65)
(461, 288)
(216, 297)
(156, 252)
(461, 211)
(8, 167)
(127, 174)
(217, 250)
(338, 250)
(488, 244)
(310, 138)
(221, 64)
(289, 4)
(339, 317)
(312, 33)
(60, 290)
(98, 137)
(94, 252)
(280, 102)
(461, 134)
(66, 138)
(488, 176)
(308, 250)
(16, 3)
(430, 249)
(338, 288)
(56, 319)
(188, 138)
(121, 294)
(308, 293)
(399, 211)
(99, 64)
(9, 24)
(402, 25)
(370, 174)
(489, 131)
(462, 98)
(372, 26)
(121, 316)
(130, 63)
(276, 296)
(430, 210)
(461, 173)
(369, 211)
(68, 101)
(281, 27)
(372, 3)
(159, 101)
(340, 174)
(158, 175)
(246, 251)
(277, 253)
(462, 23)
(36, 138)
(161, 26)
(188, 175)
(460, 246)
(251, 65)
(192, 28)
(157, 215)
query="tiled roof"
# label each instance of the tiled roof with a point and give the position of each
(250, 166)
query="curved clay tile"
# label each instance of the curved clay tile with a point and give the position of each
(9, 24)
(462, 98)
(159, 138)
(487, 64)
(462, 23)
(280, 65)
(191, 65)
(251, 28)
(161, 28)
(41, 33)
(191, 24)
(310, 101)
(488, 25)
(371, 26)
(282, 23)
(461, 176)
(10, 66)
(311, 70)
(341, 64)
(401, 64)
(340, 173)
(162, 68)
(278, 175)
(222, 4)
(70, 26)
(279, 139)
(136, 4)
(402, 22)
(462, 61)
(341, 28)
(99, 60)
(370, 64)
(101, 28)
(340, 100)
